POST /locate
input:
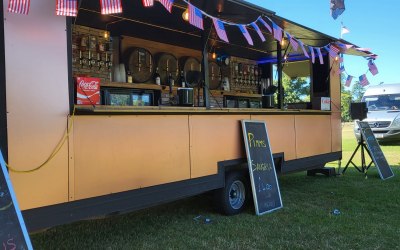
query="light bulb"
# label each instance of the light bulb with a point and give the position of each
(185, 15)
(214, 55)
(106, 34)
(336, 58)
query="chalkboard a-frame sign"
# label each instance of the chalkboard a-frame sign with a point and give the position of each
(13, 233)
(377, 155)
(264, 182)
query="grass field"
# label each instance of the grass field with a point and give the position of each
(369, 218)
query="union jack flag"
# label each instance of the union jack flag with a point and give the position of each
(277, 32)
(348, 81)
(148, 3)
(363, 80)
(256, 28)
(321, 59)
(67, 8)
(219, 27)
(110, 6)
(265, 24)
(19, 6)
(195, 17)
(167, 4)
(245, 33)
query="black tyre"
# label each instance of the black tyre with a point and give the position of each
(232, 198)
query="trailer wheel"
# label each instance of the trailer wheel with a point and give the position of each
(232, 198)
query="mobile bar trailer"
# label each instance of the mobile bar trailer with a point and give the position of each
(164, 121)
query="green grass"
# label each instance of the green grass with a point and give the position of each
(369, 219)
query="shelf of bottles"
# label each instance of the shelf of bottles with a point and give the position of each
(245, 76)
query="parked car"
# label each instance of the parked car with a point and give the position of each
(383, 103)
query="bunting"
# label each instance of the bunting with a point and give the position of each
(372, 67)
(148, 3)
(266, 25)
(312, 54)
(110, 6)
(195, 17)
(304, 50)
(257, 29)
(219, 27)
(167, 4)
(277, 32)
(348, 80)
(363, 80)
(19, 6)
(333, 51)
(245, 34)
(321, 59)
(292, 42)
(67, 7)
(341, 69)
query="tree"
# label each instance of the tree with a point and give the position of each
(296, 89)
(357, 92)
(345, 104)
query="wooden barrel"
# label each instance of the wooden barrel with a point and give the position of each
(191, 70)
(139, 62)
(167, 63)
(214, 73)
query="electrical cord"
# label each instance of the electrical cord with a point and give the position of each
(55, 151)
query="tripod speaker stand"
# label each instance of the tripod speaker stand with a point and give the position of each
(358, 111)
(364, 167)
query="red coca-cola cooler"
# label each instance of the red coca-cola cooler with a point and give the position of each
(87, 91)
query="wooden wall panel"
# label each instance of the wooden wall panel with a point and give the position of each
(313, 135)
(214, 138)
(119, 153)
(281, 133)
(37, 102)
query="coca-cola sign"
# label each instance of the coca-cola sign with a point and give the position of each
(87, 91)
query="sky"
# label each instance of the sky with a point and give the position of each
(372, 24)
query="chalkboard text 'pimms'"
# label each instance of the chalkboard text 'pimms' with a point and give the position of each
(254, 143)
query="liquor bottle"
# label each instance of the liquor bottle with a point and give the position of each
(129, 77)
(182, 80)
(170, 82)
(157, 77)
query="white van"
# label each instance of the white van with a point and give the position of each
(383, 103)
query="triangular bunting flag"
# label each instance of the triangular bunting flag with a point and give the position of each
(219, 27)
(245, 33)
(256, 28)
(321, 59)
(304, 49)
(265, 24)
(312, 54)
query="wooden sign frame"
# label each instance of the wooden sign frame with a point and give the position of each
(374, 149)
(266, 192)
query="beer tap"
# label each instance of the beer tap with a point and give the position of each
(92, 60)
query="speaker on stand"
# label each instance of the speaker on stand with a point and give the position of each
(358, 111)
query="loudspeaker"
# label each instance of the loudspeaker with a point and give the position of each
(358, 110)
